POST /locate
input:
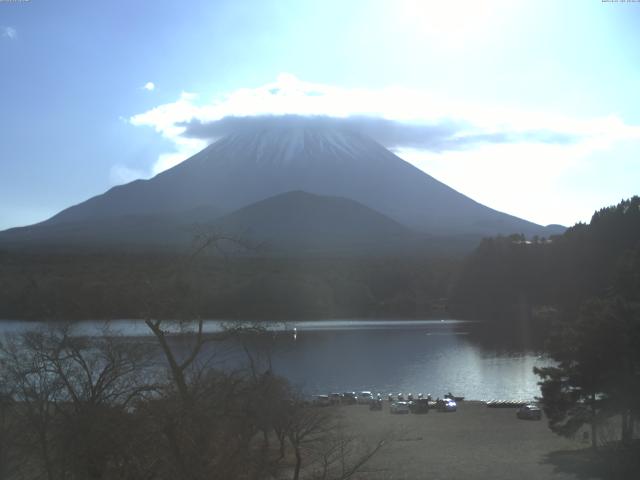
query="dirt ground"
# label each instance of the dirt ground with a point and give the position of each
(474, 442)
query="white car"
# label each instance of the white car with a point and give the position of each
(447, 405)
(365, 397)
(399, 407)
(529, 412)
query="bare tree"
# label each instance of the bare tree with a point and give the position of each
(210, 431)
(6, 404)
(97, 408)
(72, 396)
(339, 455)
(25, 373)
(321, 442)
(306, 426)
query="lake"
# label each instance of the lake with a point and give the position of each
(426, 356)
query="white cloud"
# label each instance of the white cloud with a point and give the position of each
(489, 172)
(527, 174)
(149, 86)
(288, 95)
(165, 119)
(9, 32)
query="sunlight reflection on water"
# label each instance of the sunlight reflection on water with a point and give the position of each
(427, 356)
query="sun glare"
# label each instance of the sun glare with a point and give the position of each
(452, 22)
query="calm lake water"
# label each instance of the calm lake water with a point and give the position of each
(382, 356)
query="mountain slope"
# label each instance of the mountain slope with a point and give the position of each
(166, 229)
(295, 222)
(300, 221)
(256, 163)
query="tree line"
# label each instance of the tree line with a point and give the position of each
(107, 407)
(110, 285)
(581, 290)
(514, 279)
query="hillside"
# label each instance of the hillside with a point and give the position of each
(303, 222)
(254, 164)
(507, 279)
(293, 223)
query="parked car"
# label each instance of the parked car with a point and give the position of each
(375, 404)
(399, 407)
(421, 405)
(390, 397)
(400, 397)
(364, 397)
(529, 412)
(349, 398)
(447, 405)
(454, 398)
(321, 400)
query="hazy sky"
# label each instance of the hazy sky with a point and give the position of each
(532, 108)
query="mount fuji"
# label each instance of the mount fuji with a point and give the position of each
(334, 166)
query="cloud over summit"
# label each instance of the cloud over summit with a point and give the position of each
(429, 131)
(438, 136)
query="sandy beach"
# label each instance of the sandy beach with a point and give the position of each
(474, 442)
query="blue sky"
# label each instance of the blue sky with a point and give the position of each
(93, 94)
